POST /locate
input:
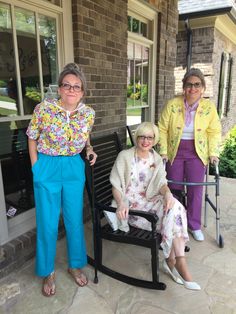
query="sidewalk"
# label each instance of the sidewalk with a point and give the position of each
(212, 267)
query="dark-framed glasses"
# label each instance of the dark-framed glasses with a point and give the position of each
(191, 85)
(67, 86)
(143, 138)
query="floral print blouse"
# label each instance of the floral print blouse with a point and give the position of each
(60, 132)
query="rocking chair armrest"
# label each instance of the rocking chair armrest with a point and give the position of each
(152, 217)
(106, 207)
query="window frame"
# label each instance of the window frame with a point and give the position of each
(143, 12)
(15, 226)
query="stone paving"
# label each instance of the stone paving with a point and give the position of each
(212, 267)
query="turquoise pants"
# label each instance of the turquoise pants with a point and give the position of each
(59, 185)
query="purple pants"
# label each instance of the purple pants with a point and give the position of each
(187, 166)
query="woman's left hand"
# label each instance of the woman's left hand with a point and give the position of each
(214, 160)
(89, 153)
(169, 201)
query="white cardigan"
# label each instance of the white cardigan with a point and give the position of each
(121, 172)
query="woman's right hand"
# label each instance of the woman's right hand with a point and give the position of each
(164, 158)
(33, 162)
(122, 211)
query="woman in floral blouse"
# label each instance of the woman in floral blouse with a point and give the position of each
(190, 134)
(58, 132)
(139, 182)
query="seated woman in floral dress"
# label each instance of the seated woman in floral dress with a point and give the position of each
(139, 182)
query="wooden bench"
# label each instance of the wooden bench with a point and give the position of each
(100, 196)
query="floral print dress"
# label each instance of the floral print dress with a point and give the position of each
(171, 224)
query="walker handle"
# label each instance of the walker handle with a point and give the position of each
(216, 164)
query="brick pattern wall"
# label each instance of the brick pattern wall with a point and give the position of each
(100, 47)
(202, 54)
(100, 38)
(207, 47)
(166, 53)
(17, 252)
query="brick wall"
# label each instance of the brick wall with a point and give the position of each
(202, 57)
(166, 53)
(100, 38)
(17, 252)
(207, 47)
(100, 47)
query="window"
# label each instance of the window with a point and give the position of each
(33, 47)
(137, 89)
(225, 85)
(141, 51)
(28, 59)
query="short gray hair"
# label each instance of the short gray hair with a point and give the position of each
(147, 127)
(73, 68)
(194, 72)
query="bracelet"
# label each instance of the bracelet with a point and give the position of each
(89, 147)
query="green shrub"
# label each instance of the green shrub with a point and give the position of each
(138, 88)
(227, 165)
(3, 83)
(33, 94)
(144, 93)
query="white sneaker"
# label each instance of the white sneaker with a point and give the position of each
(197, 235)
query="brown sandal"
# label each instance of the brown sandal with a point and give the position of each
(79, 277)
(49, 287)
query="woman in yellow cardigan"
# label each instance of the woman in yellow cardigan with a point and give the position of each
(190, 135)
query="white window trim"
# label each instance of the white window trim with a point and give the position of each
(144, 12)
(14, 227)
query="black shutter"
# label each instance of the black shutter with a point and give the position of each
(229, 86)
(221, 84)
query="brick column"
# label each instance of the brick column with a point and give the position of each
(100, 47)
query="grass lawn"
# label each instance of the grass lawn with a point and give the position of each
(134, 112)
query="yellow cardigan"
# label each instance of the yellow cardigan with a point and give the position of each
(207, 129)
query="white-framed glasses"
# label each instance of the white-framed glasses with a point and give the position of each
(75, 88)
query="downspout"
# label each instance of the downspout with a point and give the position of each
(189, 44)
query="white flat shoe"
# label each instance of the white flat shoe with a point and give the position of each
(191, 285)
(197, 235)
(173, 274)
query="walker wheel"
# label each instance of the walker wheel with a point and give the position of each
(221, 241)
(95, 280)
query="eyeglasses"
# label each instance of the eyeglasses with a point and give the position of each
(143, 138)
(195, 85)
(67, 86)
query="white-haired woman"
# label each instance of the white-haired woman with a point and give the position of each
(138, 181)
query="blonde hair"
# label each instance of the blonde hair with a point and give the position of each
(144, 128)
